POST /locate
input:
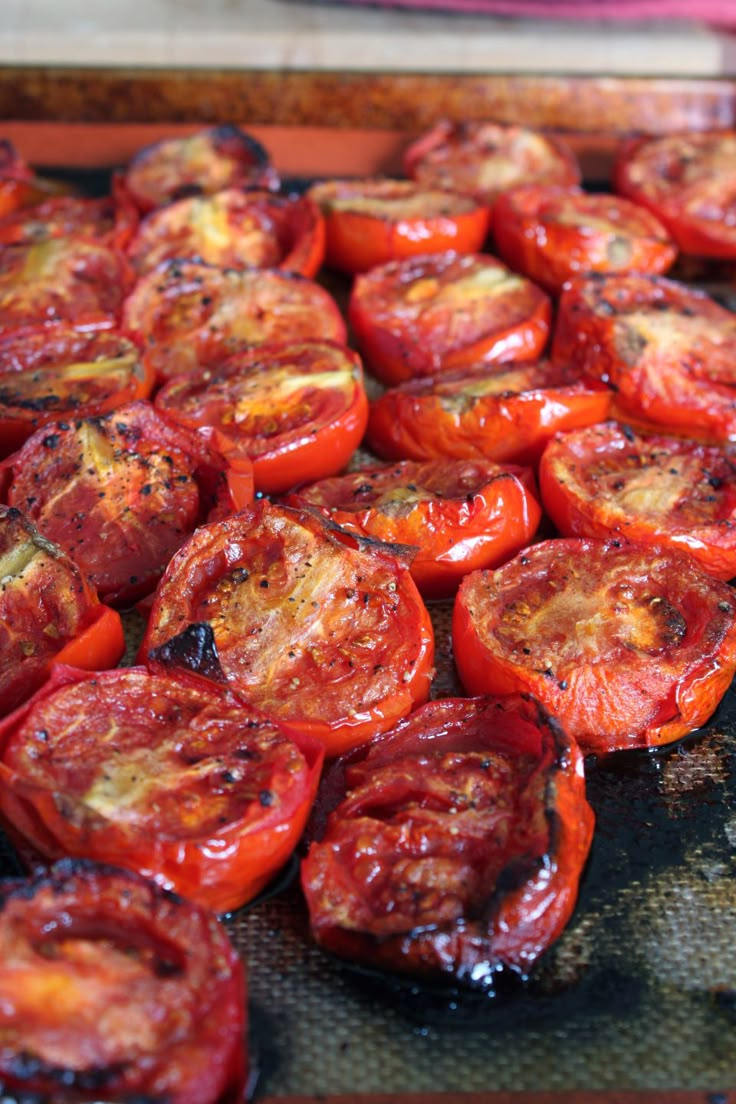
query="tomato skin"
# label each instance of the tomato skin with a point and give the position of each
(48, 612)
(199, 164)
(107, 221)
(228, 794)
(48, 372)
(664, 347)
(254, 410)
(431, 895)
(115, 949)
(686, 180)
(120, 493)
(19, 186)
(552, 234)
(628, 645)
(371, 222)
(461, 515)
(233, 228)
(502, 413)
(188, 316)
(324, 632)
(606, 480)
(485, 159)
(437, 312)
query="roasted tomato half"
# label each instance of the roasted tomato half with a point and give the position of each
(605, 479)
(665, 348)
(689, 182)
(54, 372)
(119, 493)
(485, 158)
(199, 164)
(61, 280)
(48, 612)
(188, 316)
(551, 234)
(372, 222)
(165, 774)
(628, 645)
(108, 221)
(496, 412)
(234, 229)
(438, 312)
(316, 628)
(460, 514)
(296, 411)
(113, 989)
(457, 844)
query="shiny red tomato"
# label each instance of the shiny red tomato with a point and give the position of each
(627, 645)
(689, 182)
(61, 280)
(457, 844)
(112, 989)
(306, 622)
(120, 493)
(164, 774)
(371, 222)
(55, 372)
(200, 164)
(434, 313)
(496, 412)
(665, 348)
(107, 221)
(486, 158)
(296, 411)
(48, 612)
(189, 316)
(605, 479)
(551, 234)
(19, 185)
(233, 229)
(460, 515)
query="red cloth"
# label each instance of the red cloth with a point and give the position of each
(719, 12)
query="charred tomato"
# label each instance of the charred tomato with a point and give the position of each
(295, 411)
(324, 632)
(109, 221)
(372, 222)
(148, 993)
(461, 515)
(438, 312)
(628, 645)
(457, 844)
(496, 412)
(165, 774)
(188, 316)
(48, 612)
(664, 347)
(120, 493)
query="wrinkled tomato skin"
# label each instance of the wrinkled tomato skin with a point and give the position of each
(485, 159)
(48, 373)
(460, 515)
(674, 176)
(120, 493)
(505, 413)
(372, 222)
(48, 613)
(552, 234)
(324, 632)
(199, 164)
(433, 896)
(116, 950)
(228, 791)
(415, 318)
(605, 480)
(664, 347)
(188, 316)
(254, 412)
(627, 645)
(233, 229)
